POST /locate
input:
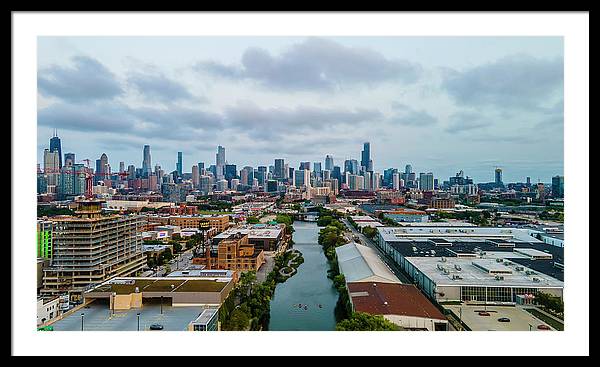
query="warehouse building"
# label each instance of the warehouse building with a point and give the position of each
(517, 245)
(402, 304)
(359, 263)
(478, 280)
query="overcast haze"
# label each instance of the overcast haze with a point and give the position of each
(441, 104)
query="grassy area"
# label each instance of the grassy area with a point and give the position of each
(547, 319)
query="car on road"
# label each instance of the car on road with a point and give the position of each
(156, 327)
(544, 327)
(504, 319)
(483, 313)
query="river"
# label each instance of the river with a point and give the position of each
(309, 286)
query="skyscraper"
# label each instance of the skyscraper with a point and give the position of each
(558, 186)
(426, 181)
(180, 163)
(329, 162)
(395, 181)
(51, 166)
(220, 162)
(195, 176)
(498, 176)
(121, 166)
(305, 166)
(146, 162)
(201, 169)
(366, 157)
(55, 147)
(279, 172)
(230, 172)
(102, 168)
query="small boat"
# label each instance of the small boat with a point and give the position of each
(306, 307)
(320, 305)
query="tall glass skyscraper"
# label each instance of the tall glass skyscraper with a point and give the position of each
(55, 147)
(329, 163)
(180, 164)
(147, 161)
(366, 157)
(220, 166)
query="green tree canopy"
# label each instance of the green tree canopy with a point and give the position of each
(361, 321)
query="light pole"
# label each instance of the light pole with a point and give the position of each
(530, 327)
(138, 320)
(82, 314)
(161, 304)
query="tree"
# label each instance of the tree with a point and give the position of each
(370, 232)
(176, 247)
(361, 321)
(238, 320)
(252, 220)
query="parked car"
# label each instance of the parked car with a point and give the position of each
(483, 313)
(504, 319)
(156, 327)
(544, 327)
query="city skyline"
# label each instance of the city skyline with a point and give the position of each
(116, 94)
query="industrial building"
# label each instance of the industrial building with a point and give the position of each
(401, 242)
(486, 280)
(89, 248)
(359, 263)
(402, 304)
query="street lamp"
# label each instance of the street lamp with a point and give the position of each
(161, 304)
(82, 314)
(138, 320)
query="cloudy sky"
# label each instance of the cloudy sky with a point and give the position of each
(441, 104)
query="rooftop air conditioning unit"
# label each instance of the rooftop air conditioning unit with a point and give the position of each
(499, 277)
(443, 259)
(536, 280)
(519, 268)
(457, 267)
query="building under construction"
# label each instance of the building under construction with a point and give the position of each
(89, 248)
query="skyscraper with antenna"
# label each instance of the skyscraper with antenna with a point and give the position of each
(55, 147)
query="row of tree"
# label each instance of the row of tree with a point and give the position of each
(550, 303)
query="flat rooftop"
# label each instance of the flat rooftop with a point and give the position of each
(392, 299)
(359, 263)
(270, 232)
(391, 234)
(161, 284)
(454, 271)
(98, 317)
(519, 318)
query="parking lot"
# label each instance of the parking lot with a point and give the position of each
(520, 320)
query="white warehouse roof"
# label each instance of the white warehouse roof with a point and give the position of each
(360, 263)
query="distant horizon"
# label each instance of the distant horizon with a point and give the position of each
(441, 104)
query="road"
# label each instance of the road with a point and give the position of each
(386, 259)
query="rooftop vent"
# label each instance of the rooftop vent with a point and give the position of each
(499, 277)
(457, 267)
(536, 280)
(385, 303)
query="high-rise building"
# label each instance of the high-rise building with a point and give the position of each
(146, 161)
(366, 157)
(558, 186)
(56, 147)
(131, 172)
(51, 167)
(195, 176)
(271, 186)
(72, 181)
(408, 169)
(230, 172)
(498, 176)
(329, 163)
(396, 181)
(102, 168)
(222, 185)
(528, 181)
(302, 178)
(201, 168)
(262, 175)
(426, 181)
(205, 185)
(220, 162)
(376, 181)
(89, 248)
(279, 172)
(356, 182)
(69, 159)
(317, 168)
(121, 167)
(351, 165)
(180, 163)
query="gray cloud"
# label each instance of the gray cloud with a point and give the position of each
(174, 122)
(518, 81)
(406, 115)
(271, 122)
(315, 64)
(465, 121)
(87, 80)
(157, 87)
